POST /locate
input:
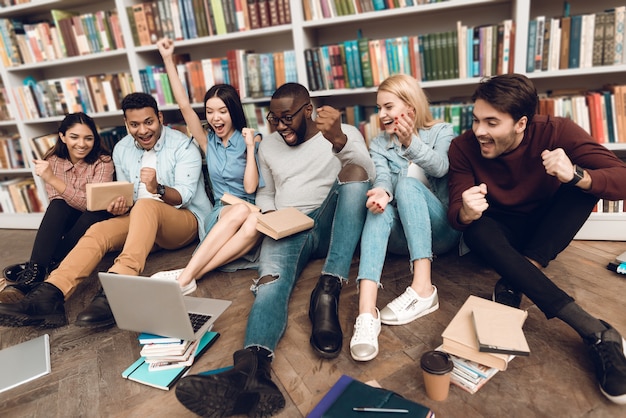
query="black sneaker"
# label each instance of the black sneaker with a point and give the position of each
(503, 293)
(609, 359)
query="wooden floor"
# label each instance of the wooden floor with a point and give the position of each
(555, 381)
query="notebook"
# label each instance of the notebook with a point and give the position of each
(156, 305)
(24, 362)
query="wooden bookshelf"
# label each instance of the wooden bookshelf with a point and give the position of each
(298, 34)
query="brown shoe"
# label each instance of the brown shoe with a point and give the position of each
(11, 294)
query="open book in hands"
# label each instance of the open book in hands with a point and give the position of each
(100, 195)
(277, 224)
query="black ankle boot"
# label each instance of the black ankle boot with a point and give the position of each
(97, 314)
(43, 306)
(25, 273)
(247, 388)
(326, 336)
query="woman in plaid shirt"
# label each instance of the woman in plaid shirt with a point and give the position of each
(77, 159)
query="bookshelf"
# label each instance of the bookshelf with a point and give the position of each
(299, 35)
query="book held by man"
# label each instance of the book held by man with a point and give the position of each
(283, 223)
(100, 195)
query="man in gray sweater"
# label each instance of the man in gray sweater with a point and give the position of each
(322, 168)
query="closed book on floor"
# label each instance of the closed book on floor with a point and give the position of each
(283, 222)
(348, 393)
(459, 337)
(100, 195)
(499, 331)
(164, 379)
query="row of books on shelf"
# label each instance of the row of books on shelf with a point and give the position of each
(578, 41)
(462, 53)
(9, 3)
(326, 9)
(190, 19)
(609, 206)
(10, 151)
(19, 195)
(252, 74)
(5, 109)
(69, 34)
(601, 113)
(57, 97)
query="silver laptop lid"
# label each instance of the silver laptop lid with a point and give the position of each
(156, 305)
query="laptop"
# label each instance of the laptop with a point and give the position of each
(156, 306)
(24, 362)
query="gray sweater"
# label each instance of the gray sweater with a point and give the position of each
(301, 176)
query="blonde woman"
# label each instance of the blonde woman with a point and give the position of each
(406, 209)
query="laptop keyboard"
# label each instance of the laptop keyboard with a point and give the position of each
(197, 320)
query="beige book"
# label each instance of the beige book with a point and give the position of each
(459, 337)
(499, 331)
(229, 199)
(283, 222)
(100, 195)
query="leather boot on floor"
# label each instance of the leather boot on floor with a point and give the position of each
(247, 388)
(25, 273)
(43, 306)
(97, 314)
(326, 335)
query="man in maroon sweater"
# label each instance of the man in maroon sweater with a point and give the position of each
(521, 185)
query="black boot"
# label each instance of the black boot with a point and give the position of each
(43, 306)
(326, 335)
(25, 273)
(247, 388)
(97, 314)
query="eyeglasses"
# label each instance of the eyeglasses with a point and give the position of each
(286, 120)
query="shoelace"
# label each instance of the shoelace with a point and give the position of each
(28, 275)
(402, 301)
(364, 332)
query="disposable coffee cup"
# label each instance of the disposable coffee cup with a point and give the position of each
(436, 367)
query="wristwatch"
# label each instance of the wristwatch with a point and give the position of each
(160, 190)
(579, 174)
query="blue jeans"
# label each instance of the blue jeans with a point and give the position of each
(416, 226)
(338, 224)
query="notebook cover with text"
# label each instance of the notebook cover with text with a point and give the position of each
(100, 195)
(499, 331)
(283, 222)
(459, 337)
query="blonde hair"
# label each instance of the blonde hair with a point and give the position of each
(407, 89)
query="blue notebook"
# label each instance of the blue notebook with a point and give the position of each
(165, 379)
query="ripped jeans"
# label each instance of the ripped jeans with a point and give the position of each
(335, 235)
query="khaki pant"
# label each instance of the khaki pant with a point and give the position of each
(150, 225)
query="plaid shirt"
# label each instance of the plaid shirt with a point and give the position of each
(76, 176)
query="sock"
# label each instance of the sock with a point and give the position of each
(583, 323)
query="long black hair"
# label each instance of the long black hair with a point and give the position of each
(60, 149)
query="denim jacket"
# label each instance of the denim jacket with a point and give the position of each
(429, 151)
(179, 165)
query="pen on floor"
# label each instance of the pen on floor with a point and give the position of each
(390, 410)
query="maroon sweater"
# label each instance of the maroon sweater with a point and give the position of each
(517, 182)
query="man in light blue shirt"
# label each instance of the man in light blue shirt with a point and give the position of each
(170, 203)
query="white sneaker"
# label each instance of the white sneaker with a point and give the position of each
(408, 307)
(173, 275)
(364, 342)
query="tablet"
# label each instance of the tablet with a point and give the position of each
(24, 362)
